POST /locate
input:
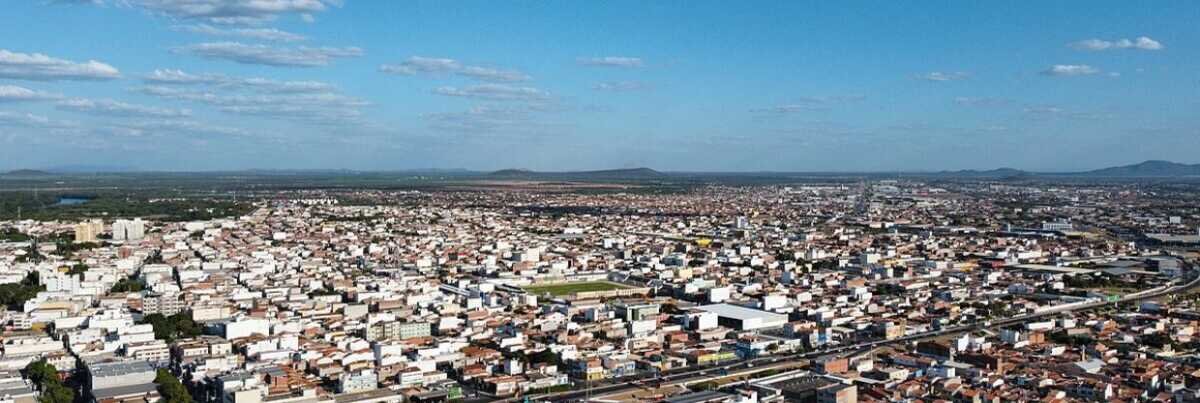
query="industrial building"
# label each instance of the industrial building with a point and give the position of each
(743, 318)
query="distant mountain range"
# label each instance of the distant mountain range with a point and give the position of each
(991, 173)
(1146, 169)
(1153, 168)
(632, 173)
(27, 172)
(87, 169)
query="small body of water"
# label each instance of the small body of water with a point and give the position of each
(71, 201)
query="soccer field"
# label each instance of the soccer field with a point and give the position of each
(571, 288)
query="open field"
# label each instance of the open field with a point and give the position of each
(571, 288)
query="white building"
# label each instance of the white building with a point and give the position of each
(742, 318)
(129, 230)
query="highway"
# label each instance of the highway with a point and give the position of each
(692, 374)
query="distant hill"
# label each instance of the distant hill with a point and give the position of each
(27, 172)
(512, 172)
(90, 169)
(1152, 168)
(1146, 169)
(633, 173)
(991, 173)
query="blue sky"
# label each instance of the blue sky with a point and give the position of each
(567, 85)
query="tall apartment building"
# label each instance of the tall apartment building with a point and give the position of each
(88, 231)
(129, 230)
(165, 304)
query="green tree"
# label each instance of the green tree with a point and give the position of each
(14, 295)
(45, 377)
(171, 390)
(56, 393)
(12, 235)
(170, 328)
(128, 284)
(545, 356)
(40, 371)
(78, 268)
(32, 254)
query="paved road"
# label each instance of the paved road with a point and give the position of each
(693, 373)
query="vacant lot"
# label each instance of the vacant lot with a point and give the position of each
(571, 288)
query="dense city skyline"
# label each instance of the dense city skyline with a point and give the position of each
(697, 86)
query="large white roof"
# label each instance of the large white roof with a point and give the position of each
(742, 313)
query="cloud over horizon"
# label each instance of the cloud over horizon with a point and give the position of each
(418, 65)
(301, 56)
(39, 67)
(495, 92)
(1068, 70)
(118, 108)
(226, 12)
(1139, 43)
(610, 61)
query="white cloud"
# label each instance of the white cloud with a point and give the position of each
(498, 92)
(621, 86)
(492, 74)
(275, 86)
(522, 119)
(790, 108)
(420, 64)
(610, 61)
(478, 119)
(1070, 70)
(117, 108)
(1140, 43)
(311, 107)
(434, 65)
(262, 34)
(169, 127)
(1055, 112)
(211, 98)
(265, 85)
(238, 12)
(302, 56)
(809, 103)
(1044, 110)
(39, 67)
(25, 119)
(12, 93)
(982, 101)
(944, 76)
(832, 99)
(328, 116)
(169, 76)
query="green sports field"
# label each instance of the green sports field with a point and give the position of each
(571, 288)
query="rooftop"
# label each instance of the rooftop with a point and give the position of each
(741, 313)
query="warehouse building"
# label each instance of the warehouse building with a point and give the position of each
(743, 318)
